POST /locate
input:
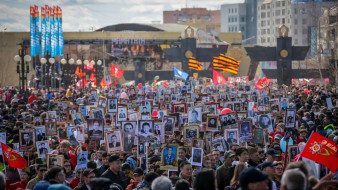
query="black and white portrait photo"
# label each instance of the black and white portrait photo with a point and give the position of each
(161, 114)
(27, 139)
(245, 131)
(42, 148)
(145, 128)
(212, 123)
(237, 106)
(97, 113)
(51, 114)
(197, 155)
(77, 118)
(122, 114)
(95, 129)
(40, 132)
(114, 141)
(145, 110)
(37, 121)
(195, 115)
(169, 124)
(231, 136)
(128, 142)
(197, 143)
(190, 133)
(293, 151)
(159, 128)
(290, 117)
(93, 97)
(265, 121)
(50, 125)
(141, 149)
(266, 100)
(129, 126)
(102, 103)
(112, 105)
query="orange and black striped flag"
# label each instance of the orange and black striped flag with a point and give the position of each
(194, 64)
(226, 63)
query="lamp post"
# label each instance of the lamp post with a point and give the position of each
(43, 73)
(52, 71)
(22, 60)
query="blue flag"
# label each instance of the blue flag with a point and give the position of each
(181, 75)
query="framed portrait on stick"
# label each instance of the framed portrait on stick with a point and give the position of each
(113, 141)
(212, 122)
(54, 160)
(27, 139)
(169, 158)
(42, 148)
(190, 132)
(95, 129)
(197, 143)
(197, 156)
(50, 125)
(112, 105)
(290, 117)
(40, 132)
(231, 136)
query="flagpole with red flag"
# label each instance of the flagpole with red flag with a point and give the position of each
(14, 159)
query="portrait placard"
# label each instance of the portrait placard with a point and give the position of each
(169, 158)
(231, 136)
(54, 160)
(197, 156)
(95, 129)
(290, 117)
(113, 141)
(42, 147)
(27, 139)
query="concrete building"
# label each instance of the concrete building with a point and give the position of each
(208, 20)
(241, 17)
(300, 17)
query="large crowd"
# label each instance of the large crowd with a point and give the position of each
(169, 135)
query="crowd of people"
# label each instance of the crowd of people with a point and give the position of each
(175, 135)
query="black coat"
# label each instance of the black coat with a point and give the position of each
(82, 187)
(120, 178)
(101, 170)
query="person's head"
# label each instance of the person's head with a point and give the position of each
(229, 157)
(105, 158)
(205, 180)
(271, 155)
(67, 166)
(144, 109)
(96, 125)
(182, 153)
(24, 176)
(268, 168)
(293, 179)
(212, 121)
(300, 165)
(88, 174)
(114, 163)
(138, 174)
(64, 147)
(41, 169)
(100, 183)
(161, 183)
(43, 145)
(26, 136)
(233, 147)
(182, 184)
(238, 170)
(113, 138)
(146, 127)
(134, 150)
(128, 127)
(264, 120)
(242, 154)
(194, 114)
(170, 150)
(206, 162)
(55, 174)
(253, 179)
(186, 169)
(217, 154)
(278, 169)
(253, 154)
(150, 176)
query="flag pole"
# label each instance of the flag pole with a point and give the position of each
(3, 158)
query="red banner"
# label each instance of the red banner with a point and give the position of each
(259, 85)
(13, 158)
(115, 71)
(321, 150)
(218, 78)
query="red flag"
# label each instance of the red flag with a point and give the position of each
(115, 71)
(321, 150)
(265, 81)
(218, 78)
(13, 158)
(259, 85)
(103, 84)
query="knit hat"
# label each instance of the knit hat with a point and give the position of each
(58, 187)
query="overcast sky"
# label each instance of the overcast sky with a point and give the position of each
(85, 14)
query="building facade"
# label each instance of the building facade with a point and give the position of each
(208, 20)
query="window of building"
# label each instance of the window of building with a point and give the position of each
(277, 12)
(268, 39)
(232, 10)
(263, 31)
(278, 4)
(263, 7)
(242, 19)
(235, 19)
(235, 10)
(229, 19)
(296, 11)
(296, 32)
(268, 23)
(296, 41)
(283, 3)
(268, 31)
(304, 21)
(229, 10)
(268, 6)
(304, 41)
(304, 31)
(283, 11)
(268, 15)
(242, 28)
(229, 29)
(263, 15)
(277, 21)
(296, 21)
(263, 23)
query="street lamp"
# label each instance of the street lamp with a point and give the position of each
(24, 60)
(43, 64)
